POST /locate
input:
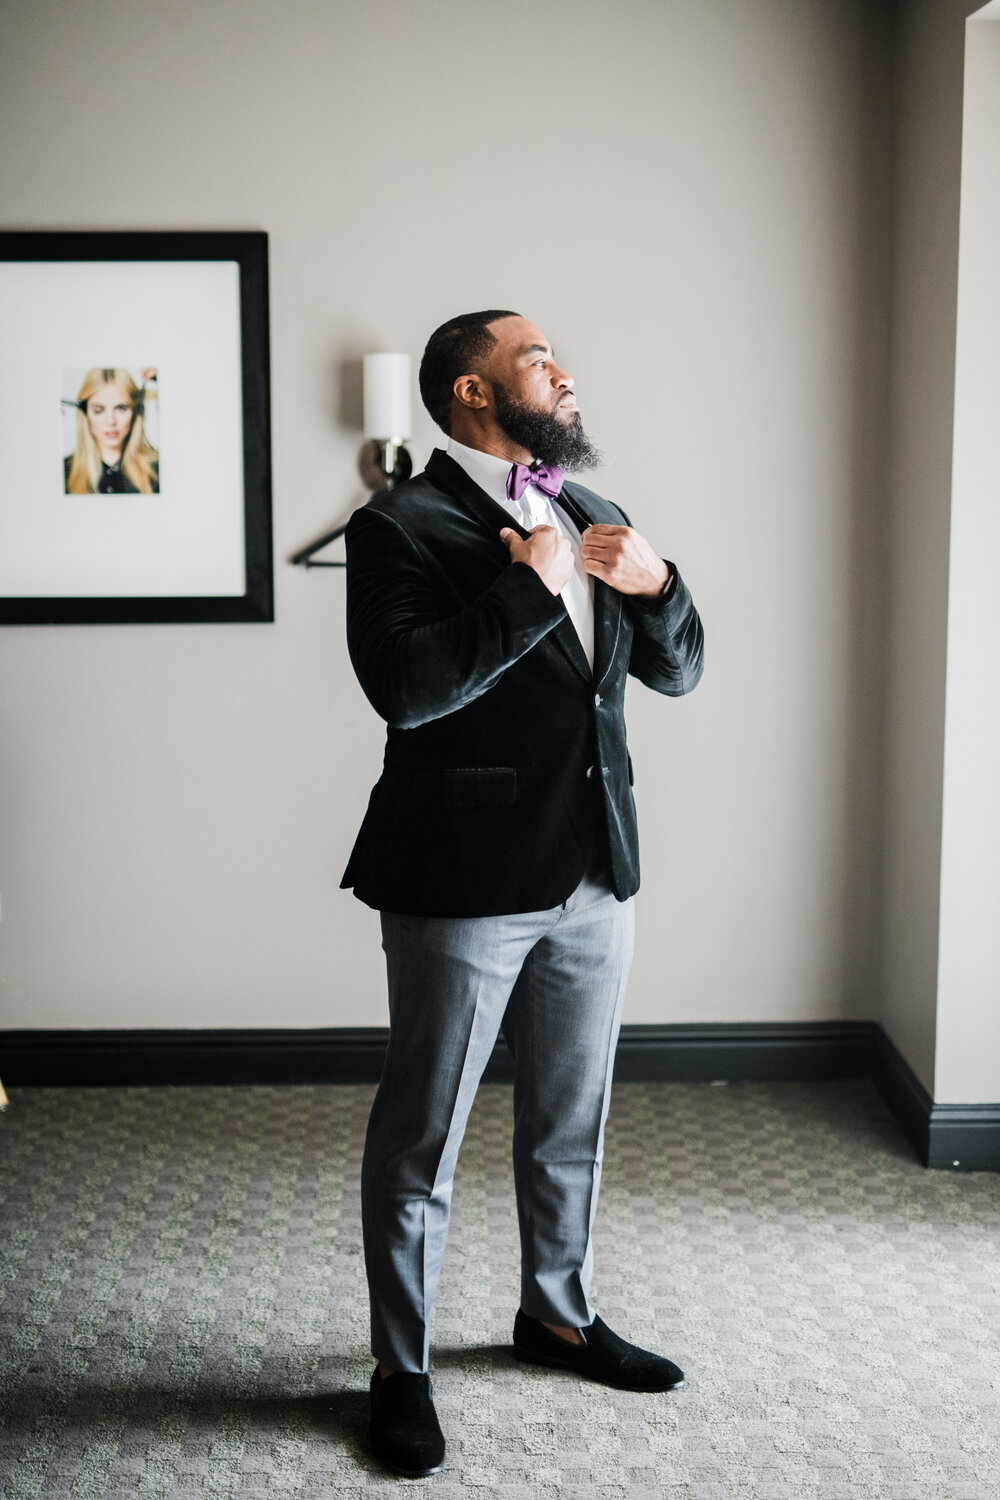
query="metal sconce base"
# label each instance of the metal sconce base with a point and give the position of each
(383, 465)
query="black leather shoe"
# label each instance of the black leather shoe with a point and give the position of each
(404, 1433)
(603, 1356)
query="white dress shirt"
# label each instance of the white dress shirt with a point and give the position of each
(536, 509)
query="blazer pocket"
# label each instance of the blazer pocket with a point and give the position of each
(491, 786)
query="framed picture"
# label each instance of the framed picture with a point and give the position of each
(135, 449)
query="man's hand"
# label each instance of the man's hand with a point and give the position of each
(545, 550)
(622, 558)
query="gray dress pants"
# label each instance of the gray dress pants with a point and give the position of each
(556, 980)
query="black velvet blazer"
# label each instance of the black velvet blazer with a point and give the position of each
(505, 761)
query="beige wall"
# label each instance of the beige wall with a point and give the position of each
(690, 199)
(968, 1016)
(927, 157)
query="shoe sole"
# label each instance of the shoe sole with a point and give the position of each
(553, 1362)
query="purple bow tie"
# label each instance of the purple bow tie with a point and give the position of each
(545, 477)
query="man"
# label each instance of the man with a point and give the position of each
(494, 613)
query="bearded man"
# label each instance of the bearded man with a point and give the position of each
(494, 612)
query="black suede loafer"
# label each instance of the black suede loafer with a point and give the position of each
(404, 1433)
(603, 1356)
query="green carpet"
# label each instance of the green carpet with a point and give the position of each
(183, 1307)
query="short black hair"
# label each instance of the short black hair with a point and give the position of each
(455, 349)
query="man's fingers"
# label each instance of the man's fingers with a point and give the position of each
(600, 554)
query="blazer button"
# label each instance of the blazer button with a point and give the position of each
(590, 772)
(597, 700)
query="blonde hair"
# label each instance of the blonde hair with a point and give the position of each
(139, 458)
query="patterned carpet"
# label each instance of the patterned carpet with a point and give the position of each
(183, 1308)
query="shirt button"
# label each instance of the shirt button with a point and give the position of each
(597, 700)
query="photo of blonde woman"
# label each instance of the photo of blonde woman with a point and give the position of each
(112, 452)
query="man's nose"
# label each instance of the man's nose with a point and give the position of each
(560, 378)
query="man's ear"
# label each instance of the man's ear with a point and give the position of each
(470, 391)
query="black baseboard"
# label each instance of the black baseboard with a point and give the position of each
(964, 1137)
(902, 1091)
(75, 1059)
(957, 1136)
(744, 1052)
(670, 1054)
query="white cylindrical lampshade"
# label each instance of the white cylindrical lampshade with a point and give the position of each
(388, 405)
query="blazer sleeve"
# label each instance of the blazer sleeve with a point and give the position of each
(414, 664)
(668, 644)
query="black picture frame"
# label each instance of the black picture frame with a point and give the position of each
(19, 251)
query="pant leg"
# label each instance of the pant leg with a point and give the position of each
(449, 983)
(562, 1025)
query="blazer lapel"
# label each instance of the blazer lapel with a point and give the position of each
(450, 476)
(485, 510)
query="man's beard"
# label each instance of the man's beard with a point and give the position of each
(547, 437)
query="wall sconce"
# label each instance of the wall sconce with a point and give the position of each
(384, 460)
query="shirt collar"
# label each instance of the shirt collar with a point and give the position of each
(484, 469)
